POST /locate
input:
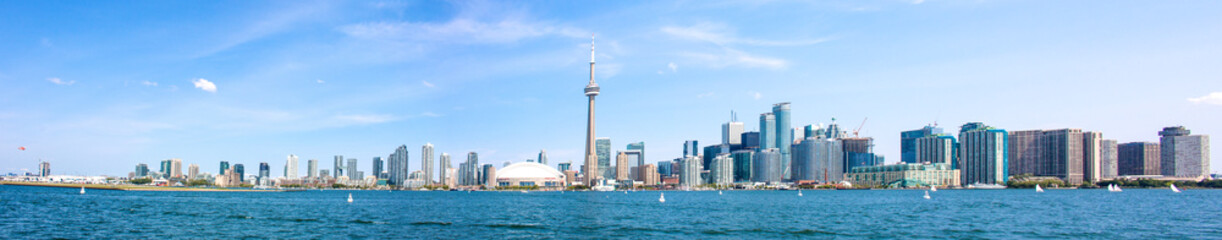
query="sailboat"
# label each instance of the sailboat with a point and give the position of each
(662, 197)
(1038, 188)
(349, 197)
(1174, 189)
(83, 190)
(719, 191)
(799, 192)
(926, 194)
(1113, 188)
(933, 188)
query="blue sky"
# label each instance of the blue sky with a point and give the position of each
(96, 87)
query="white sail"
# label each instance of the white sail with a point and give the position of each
(1174, 189)
(932, 188)
(799, 192)
(662, 197)
(349, 197)
(926, 194)
(1116, 188)
(82, 190)
(719, 191)
(1038, 188)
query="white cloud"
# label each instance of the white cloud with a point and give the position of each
(1214, 98)
(365, 119)
(148, 83)
(427, 83)
(58, 81)
(755, 95)
(673, 67)
(430, 114)
(917, 1)
(320, 81)
(722, 35)
(731, 57)
(459, 30)
(204, 84)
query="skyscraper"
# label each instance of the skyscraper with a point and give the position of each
(767, 136)
(488, 178)
(398, 169)
(751, 141)
(192, 171)
(176, 167)
(690, 148)
(543, 156)
(1183, 155)
(142, 170)
(312, 169)
(982, 154)
(564, 166)
(722, 172)
(445, 165)
(689, 173)
(936, 149)
(339, 166)
(784, 137)
(766, 166)
(1052, 153)
(621, 167)
(1109, 155)
(731, 132)
(224, 166)
(603, 148)
(265, 171)
(377, 167)
(1092, 156)
(240, 171)
(908, 142)
(742, 165)
(471, 176)
(290, 167)
(44, 169)
(352, 175)
(426, 162)
(591, 91)
(859, 151)
(640, 147)
(1138, 158)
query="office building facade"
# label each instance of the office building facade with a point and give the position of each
(982, 155)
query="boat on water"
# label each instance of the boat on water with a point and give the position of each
(1114, 188)
(933, 188)
(926, 194)
(1173, 188)
(799, 192)
(603, 188)
(1038, 188)
(662, 197)
(83, 190)
(985, 186)
(349, 197)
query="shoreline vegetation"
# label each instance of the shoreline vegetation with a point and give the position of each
(122, 187)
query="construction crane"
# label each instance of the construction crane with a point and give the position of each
(858, 129)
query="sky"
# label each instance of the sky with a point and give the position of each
(96, 87)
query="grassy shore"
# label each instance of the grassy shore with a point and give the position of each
(133, 187)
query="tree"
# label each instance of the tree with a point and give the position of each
(141, 181)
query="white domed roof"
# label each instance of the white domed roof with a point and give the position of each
(528, 170)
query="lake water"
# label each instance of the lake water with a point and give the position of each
(43, 213)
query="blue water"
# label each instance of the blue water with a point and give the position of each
(42, 213)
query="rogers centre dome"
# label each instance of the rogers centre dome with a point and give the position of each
(529, 174)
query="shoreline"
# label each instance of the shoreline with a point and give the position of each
(134, 187)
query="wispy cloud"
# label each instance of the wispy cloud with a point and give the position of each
(755, 95)
(427, 84)
(1214, 98)
(204, 84)
(430, 114)
(270, 23)
(731, 57)
(61, 82)
(704, 95)
(148, 83)
(673, 67)
(320, 81)
(459, 30)
(365, 119)
(722, 35)
(917, 1)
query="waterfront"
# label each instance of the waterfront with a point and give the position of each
(43, 212)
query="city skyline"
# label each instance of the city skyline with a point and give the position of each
(246, 98)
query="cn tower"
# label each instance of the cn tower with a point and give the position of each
(591, 165)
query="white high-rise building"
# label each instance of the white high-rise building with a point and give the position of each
(426, 163)
(290, 167)
(192, 171)
(731, 133)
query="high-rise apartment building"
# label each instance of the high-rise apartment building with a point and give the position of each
(1092, 156)
(722, 172)
(312, 169)
(1139, 158)
(784, 137)
(44, 169)
(767, 136)
(982, 154)
(339, 166)
(426, 162)
(224, 166)
(543, 156)
(1053, 153)
(689, 173)
(621, 167)
(908, 147)
(192, 171)
(397, 168)
(445, 164)
(290, 167)
(649, 174)
(766, 166)
(1109, 156)
(936, 149)
(378, 165)
(1183, 155)
(352, 175)
(602, 147)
